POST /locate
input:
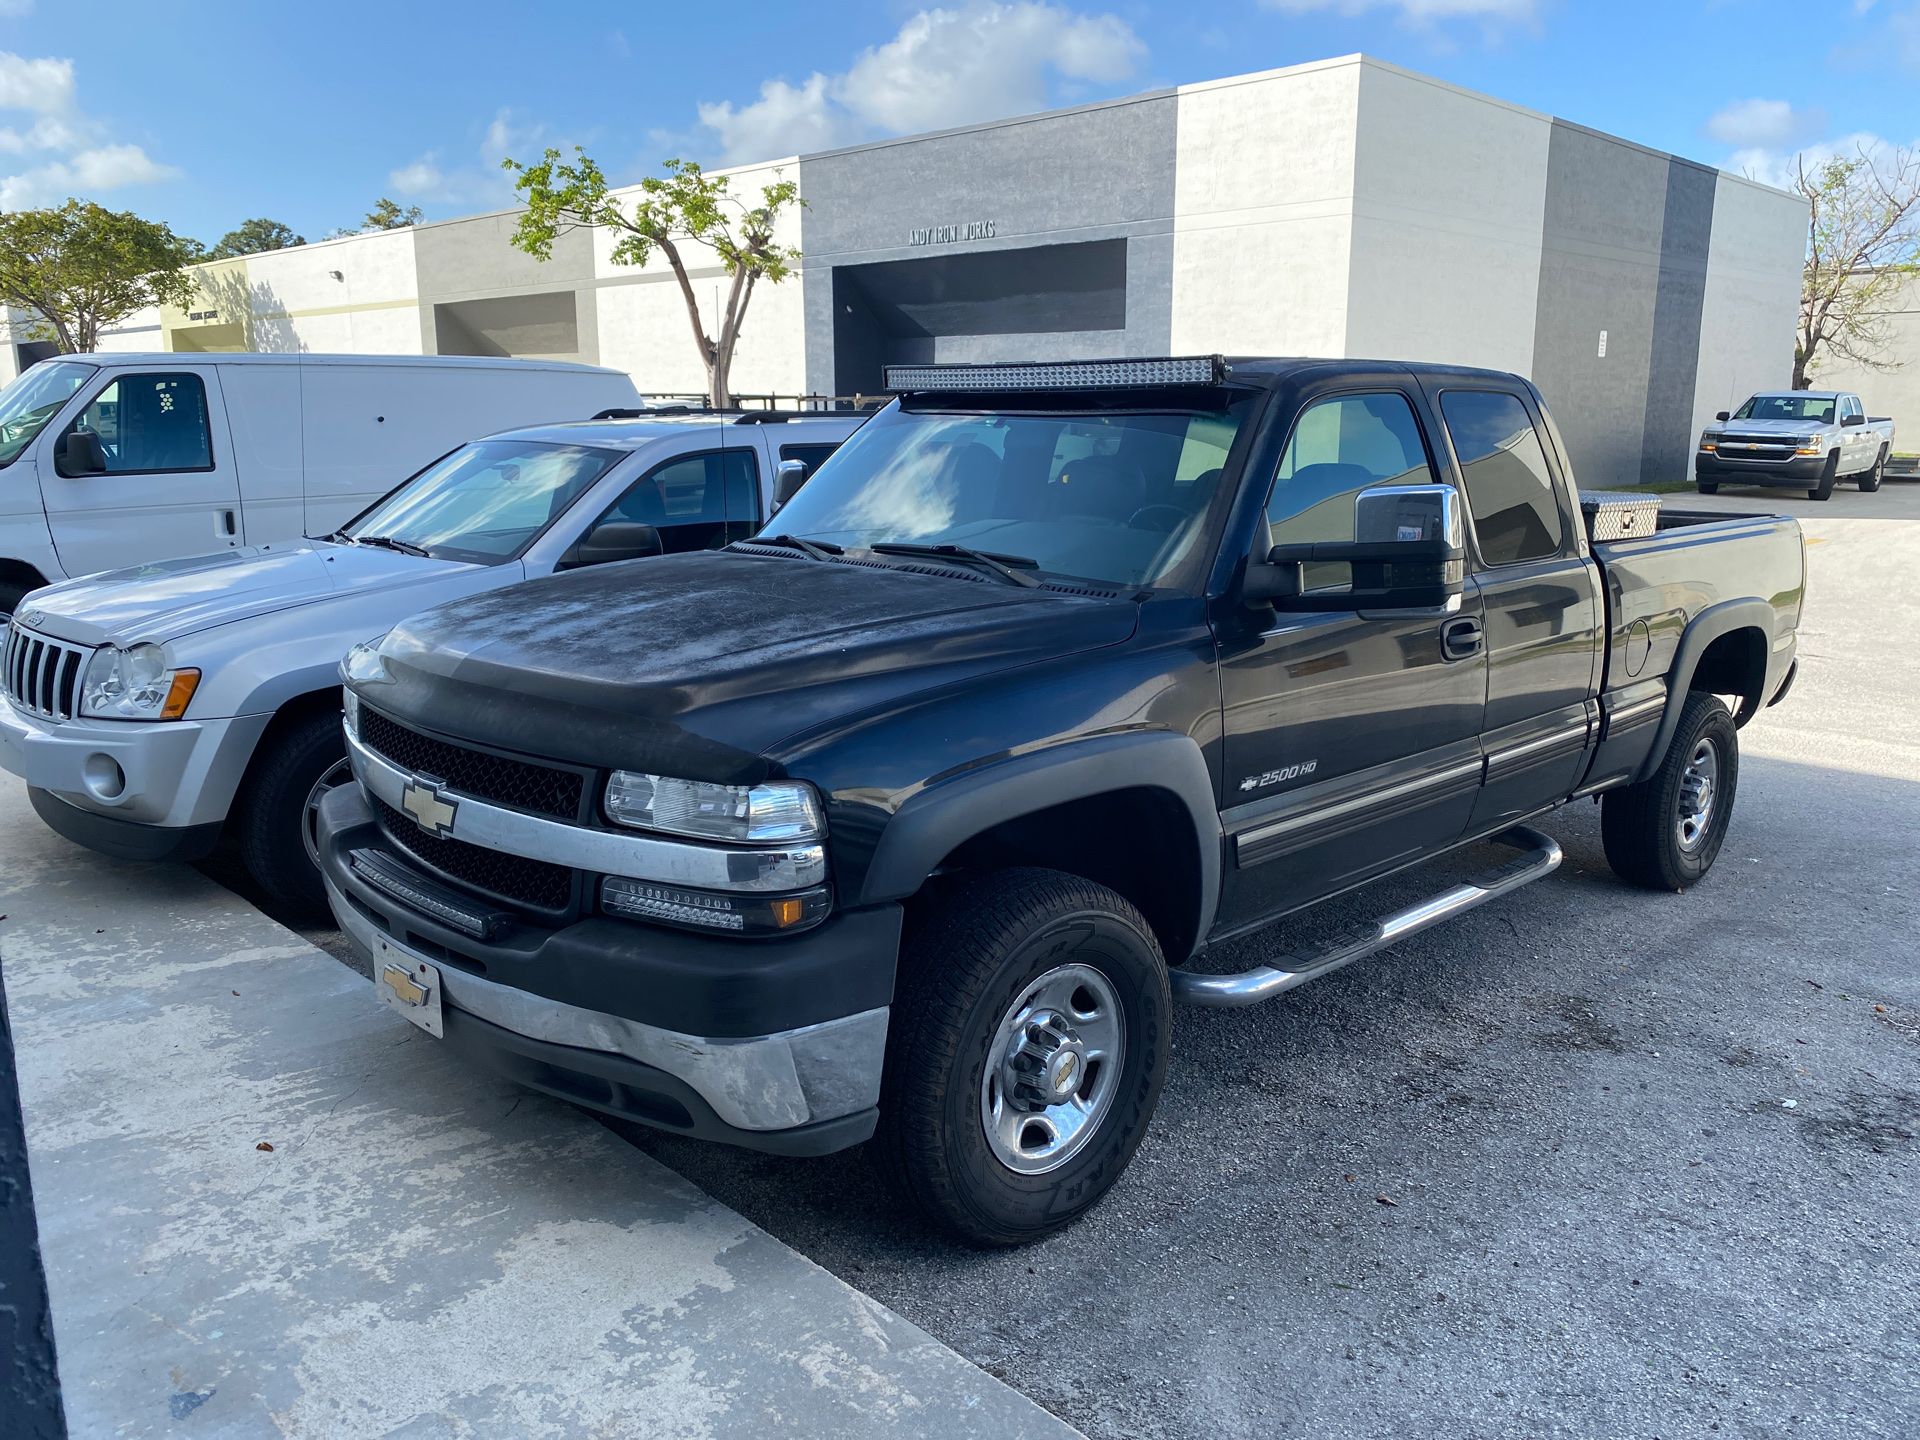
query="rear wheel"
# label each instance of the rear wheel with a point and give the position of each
(1025, 1054)
(1665, 832)
(274, 822)
(1824, 489)
(1708, 487)
(1870, 479)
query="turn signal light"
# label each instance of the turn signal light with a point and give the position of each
(185, 682)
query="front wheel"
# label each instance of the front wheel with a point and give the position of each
(1708, 487)
(1870, 479)
(10, 598)
(1025, 1053)
(1829, 474)
(1665, 832)
(274, 821)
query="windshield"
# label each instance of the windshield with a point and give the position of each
(484, 502)
(32, 400)
(1817, 408)
(1118, 497)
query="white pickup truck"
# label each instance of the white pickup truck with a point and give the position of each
(153, 710)
(1809, 438)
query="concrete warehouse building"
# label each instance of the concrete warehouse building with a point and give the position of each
(1345, 207)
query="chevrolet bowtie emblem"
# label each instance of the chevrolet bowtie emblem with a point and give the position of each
(431, 811)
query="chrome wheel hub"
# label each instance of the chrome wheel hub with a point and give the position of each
(1053, 1069)
(1697, 795)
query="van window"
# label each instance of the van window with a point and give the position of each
(1509, 488)
(32, 400)
(151, 424)
(696, 502)
(1339, 447)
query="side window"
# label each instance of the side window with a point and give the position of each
(1339, 447)
(151, 423)
(697, 502)
(1509, 488)
(808, 455)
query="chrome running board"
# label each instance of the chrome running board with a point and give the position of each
(1540, 857)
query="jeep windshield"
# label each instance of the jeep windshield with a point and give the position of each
(1117, 496)
(32, 400)
(485, 503)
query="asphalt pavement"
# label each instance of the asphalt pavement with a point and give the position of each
(1590, 1161)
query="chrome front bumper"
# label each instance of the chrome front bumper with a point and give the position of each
(760, 1083)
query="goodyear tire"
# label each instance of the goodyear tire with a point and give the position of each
(1025, 1053)
(1665, 832)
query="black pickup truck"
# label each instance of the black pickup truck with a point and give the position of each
(913, 814)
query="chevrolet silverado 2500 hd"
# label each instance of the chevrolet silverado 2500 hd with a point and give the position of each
(916, 811)
(1808, 438)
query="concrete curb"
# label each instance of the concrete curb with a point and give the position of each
(424, 1250)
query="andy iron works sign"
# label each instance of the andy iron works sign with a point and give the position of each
(950, 234)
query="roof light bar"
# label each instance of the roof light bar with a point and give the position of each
(1063, 375)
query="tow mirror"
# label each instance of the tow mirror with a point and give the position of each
(1408, 553)
(788, 477)
(79, 452)
(612, 540)
(1722, 415)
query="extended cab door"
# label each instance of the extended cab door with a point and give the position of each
(1351, 739)
(1539, 594)
(170, 486)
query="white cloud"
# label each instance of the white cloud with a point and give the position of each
(73, 156)
(1779, 167)
(1755, 124)
(1421, 12)
(480, 183)
(944, 67)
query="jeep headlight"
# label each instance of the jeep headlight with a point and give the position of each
(780, 812)
(136, 683)
(364, 664)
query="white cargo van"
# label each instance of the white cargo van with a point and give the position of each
(108, 461)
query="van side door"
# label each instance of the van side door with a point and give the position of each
(1539, 593)
(1352, 738)
(171, 486)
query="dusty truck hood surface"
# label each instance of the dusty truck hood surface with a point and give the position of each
(697, 665)
(171, 598)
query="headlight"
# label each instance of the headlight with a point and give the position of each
(136, 684)
(783, 811)
(1811, 445)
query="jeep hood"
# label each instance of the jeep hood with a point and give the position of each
(698, 665)
(172, 598)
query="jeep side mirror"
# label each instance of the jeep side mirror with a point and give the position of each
(1408, 553)
(612, 540)
(1722, 415)
(79, 452)
(788, 477)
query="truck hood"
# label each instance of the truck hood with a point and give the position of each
(1769, 427)
(698, 665)
(171, 598)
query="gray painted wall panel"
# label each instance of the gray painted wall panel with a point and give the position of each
(1098, 173)
(1599, 270)
(1680, 298)
(475, 259)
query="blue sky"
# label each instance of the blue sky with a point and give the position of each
(205, 114)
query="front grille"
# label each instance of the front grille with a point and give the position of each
(42, 675)
(1770, 447)
(510, 878)
(520, 784)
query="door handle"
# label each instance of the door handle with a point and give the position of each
(224, 525)
(1462, 638)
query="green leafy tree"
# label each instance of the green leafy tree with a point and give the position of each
(683, 206)
(255, 237)
(1863, 241)
(80, 268)
(387, 215)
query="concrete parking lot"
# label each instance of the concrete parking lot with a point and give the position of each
(1591, 1161)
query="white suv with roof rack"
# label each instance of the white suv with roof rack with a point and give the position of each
(155, 709)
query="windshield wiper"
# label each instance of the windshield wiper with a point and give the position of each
(812, 549)
(988, 560)
(387, 542)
